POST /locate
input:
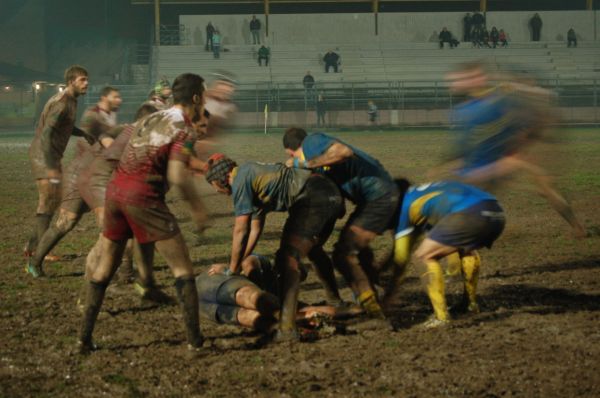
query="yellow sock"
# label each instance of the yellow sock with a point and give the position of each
(368, 300)
(434, 282)
(470, 269)
(453, 264)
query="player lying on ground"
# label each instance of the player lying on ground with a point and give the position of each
(249, 299)
(55, 125)
(496, 125)
(455, 218)
(313, 203)
(362, 180)
(97, 121)
(155, 159)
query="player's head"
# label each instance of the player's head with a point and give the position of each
(469, 78)
(188, 91)
(76, 78)
(111, 98)
(292, 140)
(218, 172)
(145, 110)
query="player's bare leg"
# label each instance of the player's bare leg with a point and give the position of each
(511, 164)
(65, 222)
(146, 285)
(175, 253)
(324, 270)
(293, 248)
(432, 276)
(345, 256)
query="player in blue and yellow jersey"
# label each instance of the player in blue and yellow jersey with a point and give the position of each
(494, 126)
(455, 218)
(313, 203)
(362, 180)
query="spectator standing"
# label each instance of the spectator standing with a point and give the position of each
(494, 36)
(503, 38)
(485, 38)
(210, 31)
(467, 26)
(216, 44)
(308, 81)
(571, 38)
(263, 53)
(255, 30)
(373, 113)
(331, 59)
(321, 110)
(478, 21)
(536, 27)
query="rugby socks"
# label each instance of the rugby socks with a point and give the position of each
(368, 301)
(453, 264)
(470, 269)
(188, 298)
(48, 240)
(433, 280)
(94, 298)
(42, 222)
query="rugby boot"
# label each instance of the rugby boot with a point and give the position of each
(153, 294)
(33, 270)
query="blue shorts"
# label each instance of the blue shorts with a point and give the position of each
(478, 226)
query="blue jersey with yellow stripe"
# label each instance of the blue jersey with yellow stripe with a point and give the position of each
(487, 127)
(424, 205)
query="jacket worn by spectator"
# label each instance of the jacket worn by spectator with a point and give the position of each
(308, 81)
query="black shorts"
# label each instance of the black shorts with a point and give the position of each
(377, 215)
(478, 226)
(216, 296)
(315, 210)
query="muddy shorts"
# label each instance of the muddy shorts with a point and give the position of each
(478, 226)
(216, 295)
(377, 215)
(147, 224)
(315, 210)
(72, 200)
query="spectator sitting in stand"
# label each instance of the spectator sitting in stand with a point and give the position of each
(263, 53)
(494, 36)
(503, 38)
(331, 59)
(485, 38)
(446, 37)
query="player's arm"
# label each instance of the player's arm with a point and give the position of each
(179, 175)
(241, 232)
(256, 228)
(336, 153)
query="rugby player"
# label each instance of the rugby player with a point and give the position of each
(249, 299)
(455, 218)
(155, 158)
(495, 124)
(313, 203)
(362, 180)
(55, 126)
(97, 121)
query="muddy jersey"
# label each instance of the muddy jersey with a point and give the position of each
(263, 187)
(96, 122)
(52, 134)
(141, 176)
(92, 181)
